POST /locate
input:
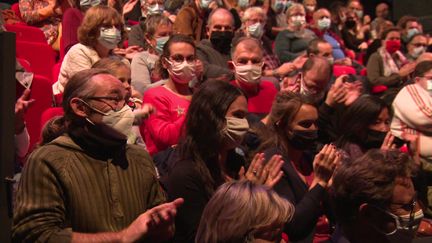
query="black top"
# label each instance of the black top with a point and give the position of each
(307, 202)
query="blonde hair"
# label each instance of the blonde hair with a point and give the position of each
(253, 10)
(295, 6)
(240, 209)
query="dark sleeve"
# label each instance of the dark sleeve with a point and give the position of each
(136, 36)
(283, 48)
(237, 20)
(375, 72)
(72, 19)
(306, 214)
(184, 182)
(350, 40)
(212, 71)
(326, 126)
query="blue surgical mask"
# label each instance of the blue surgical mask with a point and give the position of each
(243, 3)
(278, 6)
(160, 43)
(256, 30)
(324, 23)
(109, 37)
(411, 32)
(155, 9)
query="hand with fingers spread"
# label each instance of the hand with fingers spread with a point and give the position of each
(324, 164)
(128, 6)
(268, 174)
(337, 93)
(155, 225)
(388, 142)
(290, 84)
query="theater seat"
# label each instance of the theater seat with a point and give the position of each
(41, 91)
(27, 33)
(15, 8)
(40, 56)
(378, 89)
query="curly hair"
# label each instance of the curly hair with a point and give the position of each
(368, 179)
(95, 18)
(205, 119)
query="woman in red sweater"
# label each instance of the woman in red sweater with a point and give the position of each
(171, 100)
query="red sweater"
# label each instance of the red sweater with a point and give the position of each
(163, 128)
(259, 102)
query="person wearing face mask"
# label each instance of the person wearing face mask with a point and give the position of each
(374, 199)
(310, 7)
(90, 145)
(144, 75)
(365, 125)
(247, 63)
(254, 19)
(292, 42)
(292, 133)
(412, 118)
(177, 64)
(388, 66)
(355, 34)
(416, 46)
(100, 32)
(410, 26)
(208, 154)
(276, 17)
(214, 51)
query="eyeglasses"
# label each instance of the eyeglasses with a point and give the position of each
(114, 102)
(179, 58)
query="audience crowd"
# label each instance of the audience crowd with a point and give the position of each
(222, 121)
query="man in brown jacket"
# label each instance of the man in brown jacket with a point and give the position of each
(191, 19)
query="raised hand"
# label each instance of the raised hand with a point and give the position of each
(388, 142)
(324, 164)
(268, 174)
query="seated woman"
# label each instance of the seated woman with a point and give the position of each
(354, 33)
(292, 133)
(388, 66)
(171, 101)
(100, 32)
(242, 211)
(158, 30)
(365, 125)
(207, 156)
(416, 46)
(293, 42)
(46, 15)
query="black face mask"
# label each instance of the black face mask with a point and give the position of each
(350, 24)
(302, 140)
(374, 139)
(221, 40)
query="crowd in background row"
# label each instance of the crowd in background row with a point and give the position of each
(266, 121)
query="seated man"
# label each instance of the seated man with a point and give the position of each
(214, 51)
(374, 199)
(88, 185)
(247, 63)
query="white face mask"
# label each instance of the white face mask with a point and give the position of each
(256, 30)
(181, 72)
(109, 37)
(331, 60)
(429, 86)
(406, 227)
(418, 51)
(235, 130)
(298, 20)
(324, 23)
(250, 73)
(155, 9)
(310, 8)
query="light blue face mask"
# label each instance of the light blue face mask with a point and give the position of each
(412, 32)
(278, 6)
(160, 43)
(256, 30)
(205, 3)
(155, 9)
(109, 37)
(243, 3)
(90, 2)
(324, 23)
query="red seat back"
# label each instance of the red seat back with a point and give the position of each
(41, 91)
(15, 8)
(27, 33)
(40, 56)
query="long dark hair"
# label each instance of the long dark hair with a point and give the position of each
(205, 120)
(284, 109)
(354, 123)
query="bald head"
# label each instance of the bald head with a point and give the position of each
(316, 73)
(218, 15)
(247, 44)
(427, 56)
